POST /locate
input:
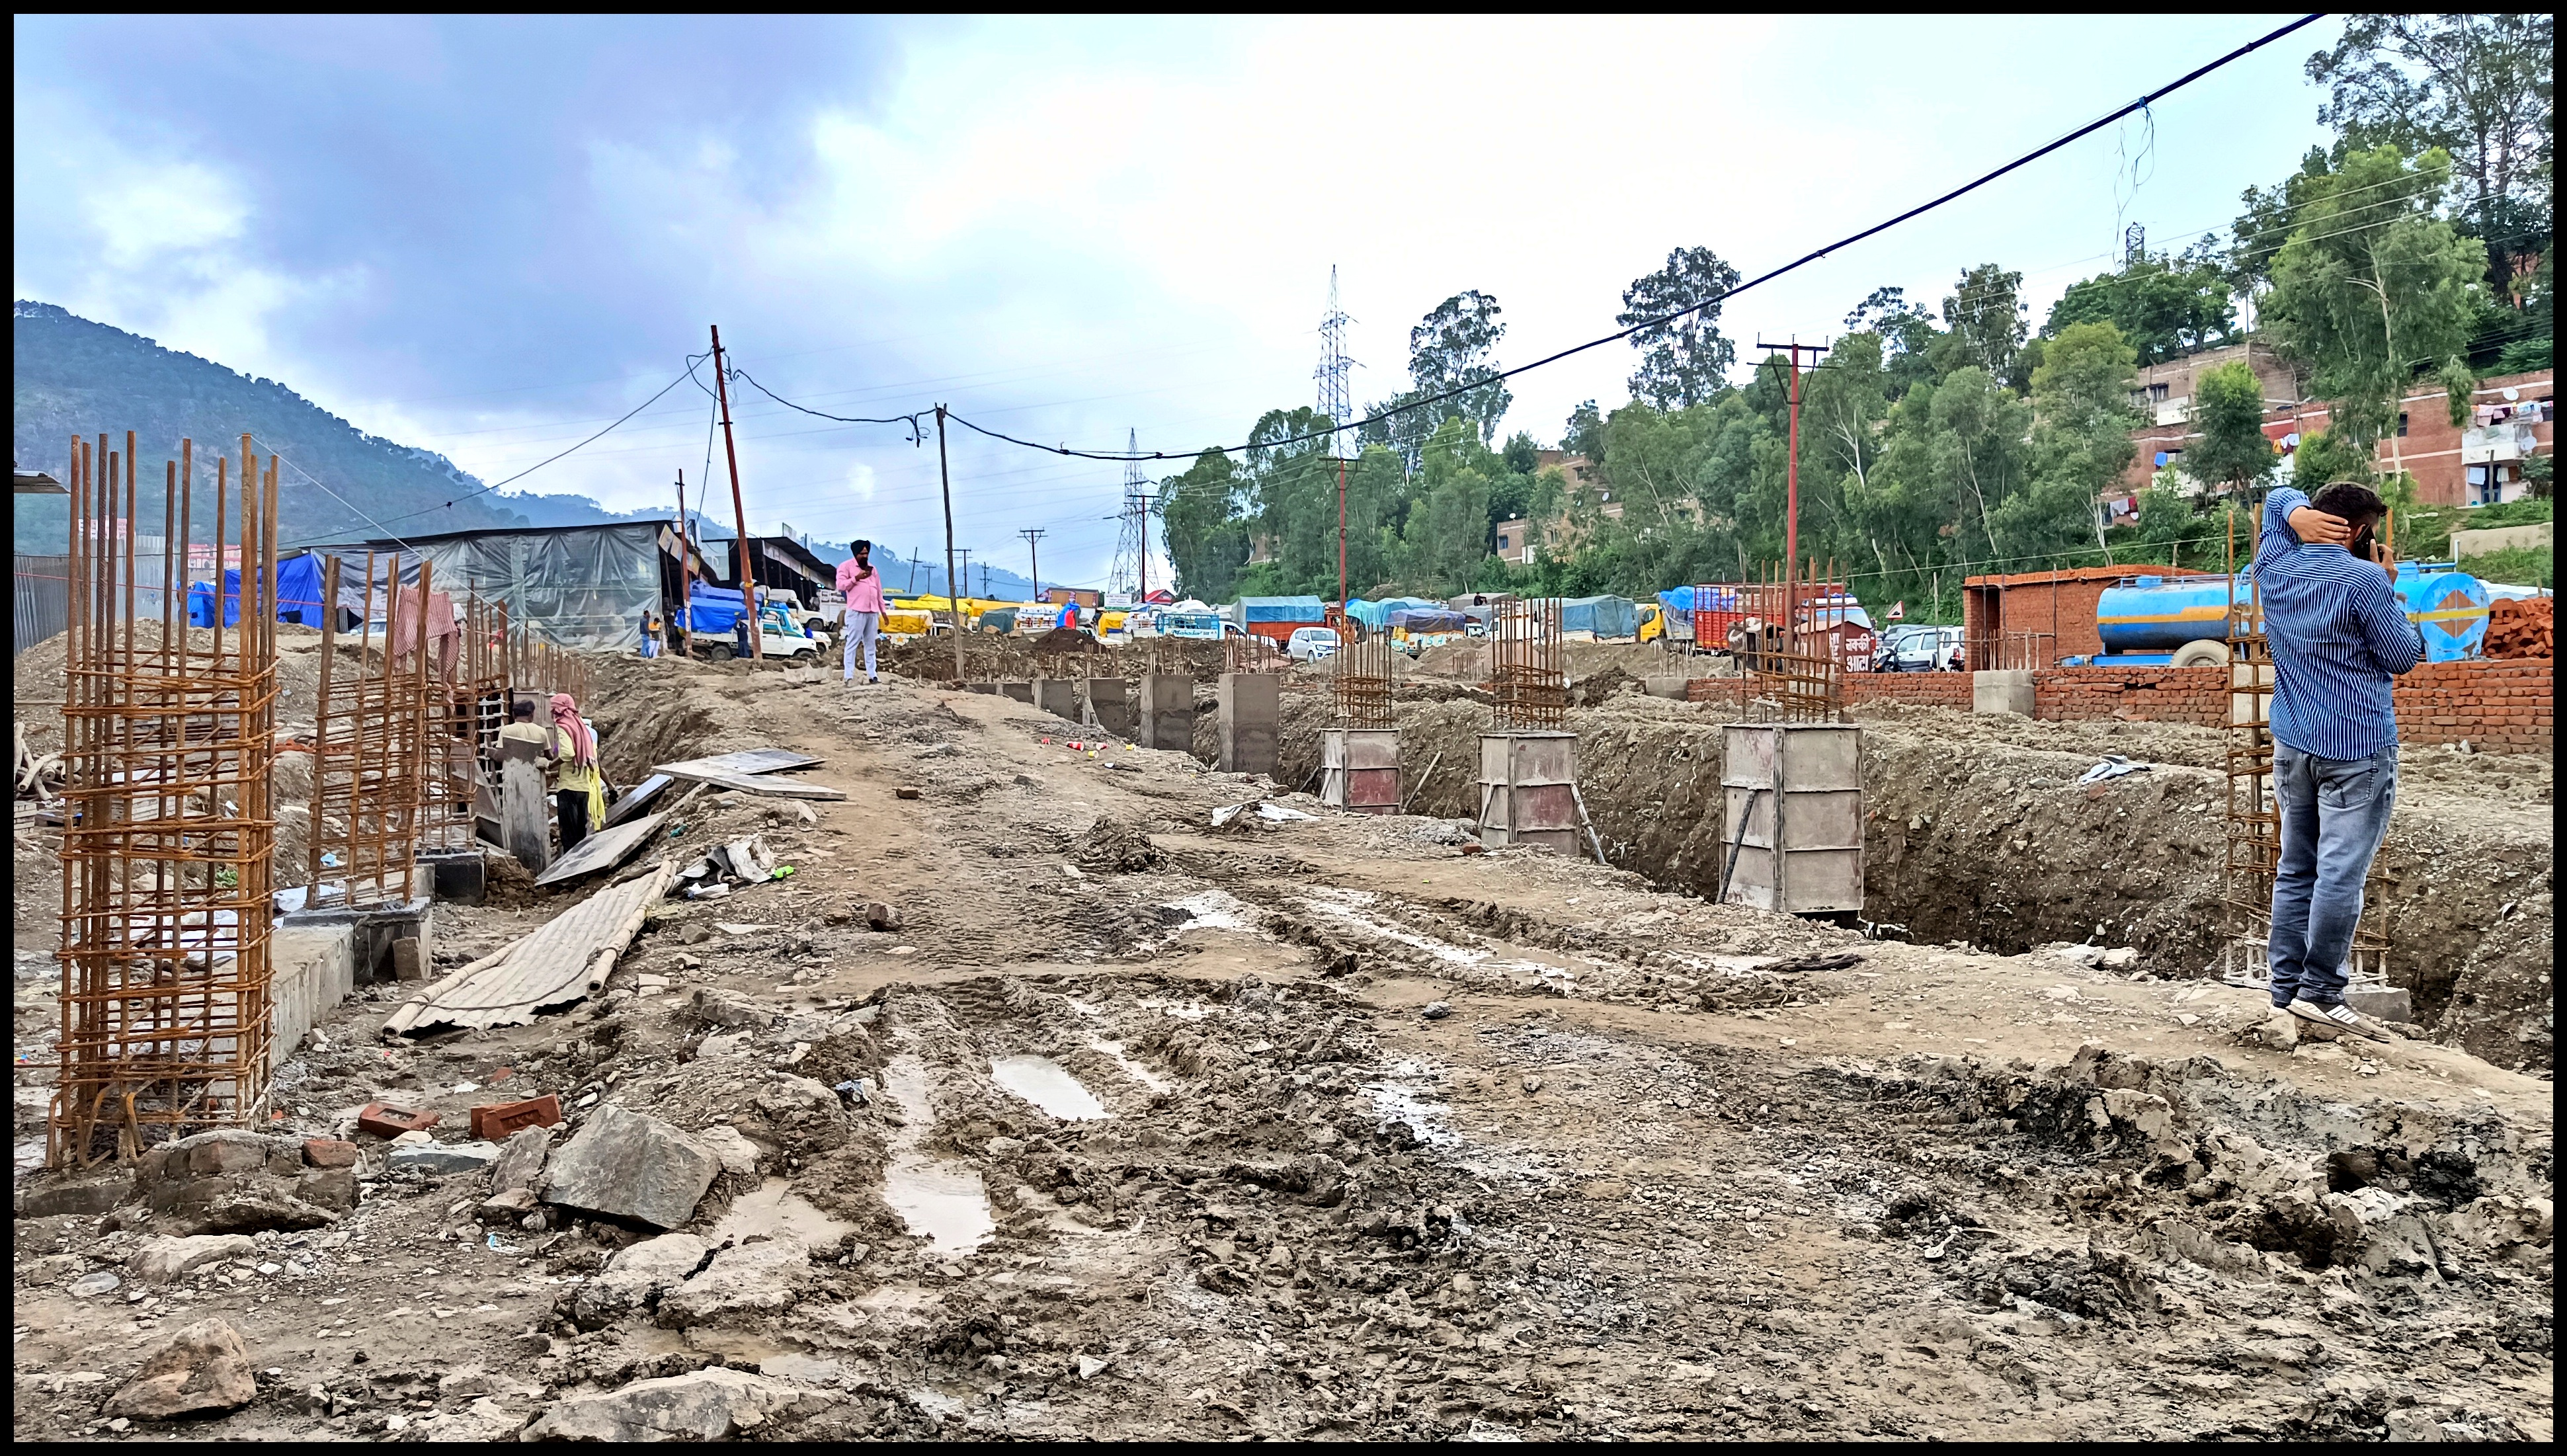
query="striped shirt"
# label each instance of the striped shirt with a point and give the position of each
(2338, 634)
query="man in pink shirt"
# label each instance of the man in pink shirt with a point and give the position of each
(861, 585)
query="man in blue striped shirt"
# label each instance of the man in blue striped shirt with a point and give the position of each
(2338, 634)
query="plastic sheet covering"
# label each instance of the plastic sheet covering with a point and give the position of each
(578, 587)
(298, 595)
(1427, 619)
(1376, 616)
(1282, 609)
(1602, 615)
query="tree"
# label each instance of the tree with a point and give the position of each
(1585, 435)
(2232, 458)
(1687, 361)
(1907, 333)
(1206, 541)
(2478, 85)
(1523, 452)
(1447, 535)
(2165, 307)
(2081, 442)
(1985, 312)
(2371, 286)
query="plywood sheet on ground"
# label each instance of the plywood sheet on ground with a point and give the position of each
(631, 804)
(750, 783)
(744, 760)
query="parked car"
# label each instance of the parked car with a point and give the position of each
(1925, 649)
(1311, 643)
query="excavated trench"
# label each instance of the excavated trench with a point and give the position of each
(1980, 832)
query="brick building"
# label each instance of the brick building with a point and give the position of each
(2057, 605)
(2513, 418)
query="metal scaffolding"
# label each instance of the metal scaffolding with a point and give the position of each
(168, 837)
(1527, 681)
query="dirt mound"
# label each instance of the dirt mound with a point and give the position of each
(1611, 681)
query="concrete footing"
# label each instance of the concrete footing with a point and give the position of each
(314, 967)
(1359, 769)
(1250, 712)
(455, 876)
(1528, 792)
(1166, 712)
(1023, 692)
(1057, 697)
(1109, 704)
(2002, 690)
(386, 941)
(991, 687)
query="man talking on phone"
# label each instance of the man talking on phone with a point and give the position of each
(2339, 635)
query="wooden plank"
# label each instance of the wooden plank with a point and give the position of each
(563, 960)
(603, 850)
(643, 792)
(746, 761)
(750, 783)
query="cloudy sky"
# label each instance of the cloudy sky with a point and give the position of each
(491, 237)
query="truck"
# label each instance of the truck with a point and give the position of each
(2182, 621)
(1277, 618)
(1701, 615)
(714, 613)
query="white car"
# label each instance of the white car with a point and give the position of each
(1311, 643)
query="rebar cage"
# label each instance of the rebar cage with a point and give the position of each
(168, 838)
(369, 746)
(1252, 654)
(1527, 683)
(2254, 850)
(1791, 666)
(1361, 678)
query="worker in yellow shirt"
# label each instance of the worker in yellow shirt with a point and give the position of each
(579, 788)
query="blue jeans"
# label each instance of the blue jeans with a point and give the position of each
(2335, 813)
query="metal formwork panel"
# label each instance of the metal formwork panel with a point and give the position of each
(1793, 815)
(1528, 792)
(1359, 769)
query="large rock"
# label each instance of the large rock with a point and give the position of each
(258, 1209)
(738, 1155)
(635, 1276)
(204, 1369)
(522, 1159)
(712, 1404)
(74, 1193)
(630, 1166)
(165, 1259)
(750, 1281)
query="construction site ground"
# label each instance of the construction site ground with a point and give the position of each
(1322, 1125)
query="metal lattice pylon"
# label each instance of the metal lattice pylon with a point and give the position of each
(1130, 567)
(1336, 398)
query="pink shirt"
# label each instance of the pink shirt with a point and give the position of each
(862, 596)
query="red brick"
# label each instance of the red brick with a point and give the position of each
(496, 1120)
(329, 1152)
(383, 1120)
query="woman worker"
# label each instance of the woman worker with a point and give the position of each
(579, 798)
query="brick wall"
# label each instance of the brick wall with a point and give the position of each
(1936, 689)
(2507, 705)
(2151, 695)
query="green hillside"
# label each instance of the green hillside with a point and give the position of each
(70, 376)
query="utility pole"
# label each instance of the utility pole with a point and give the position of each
(911, 588)
(687, 565)
(1033, 558)
(1336, 402)
(985, 578)
(952, 589)
(944, 478)
(1341, 533)
(739, 512)
(1792, 491)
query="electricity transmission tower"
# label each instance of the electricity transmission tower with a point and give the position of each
(1132, 550)
(1335, 400)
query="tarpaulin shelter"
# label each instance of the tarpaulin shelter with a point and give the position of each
(580, 587)
(1428, 618)
(298, 595)
(1376, 616)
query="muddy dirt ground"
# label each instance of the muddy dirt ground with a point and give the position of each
(1319, 1125)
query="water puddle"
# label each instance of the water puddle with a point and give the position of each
(1049, 1086)
(775, 1210)
(1133, 1070)
(938, 1198)
(1214, 910)
(1340, 904)
(1394, 1099)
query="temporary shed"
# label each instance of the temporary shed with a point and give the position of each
(581, 587)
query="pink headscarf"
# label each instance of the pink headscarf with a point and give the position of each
(583, 744)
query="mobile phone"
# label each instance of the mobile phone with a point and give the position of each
(2360, 545)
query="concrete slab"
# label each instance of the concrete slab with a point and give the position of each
(2006, 690)
(1109, 704)
(1057, 697)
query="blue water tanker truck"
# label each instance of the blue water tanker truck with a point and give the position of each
(2182, 621)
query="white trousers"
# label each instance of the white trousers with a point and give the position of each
(862, 626)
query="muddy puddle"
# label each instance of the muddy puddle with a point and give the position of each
(940, 1200)
(775, 1210)
(1049, 1086)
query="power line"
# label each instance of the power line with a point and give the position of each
(1498, 375)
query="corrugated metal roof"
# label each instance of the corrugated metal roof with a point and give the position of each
(563, 960)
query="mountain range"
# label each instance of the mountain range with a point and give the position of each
(73, 375)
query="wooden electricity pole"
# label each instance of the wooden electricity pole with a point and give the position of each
(1034, 557)
(739, 512)
(686, 566)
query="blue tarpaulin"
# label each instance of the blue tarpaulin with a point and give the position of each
(1282, 609)
(1680, 601)
(298, 595)
(714, 609)
(1376, 616)
(1602, 615)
